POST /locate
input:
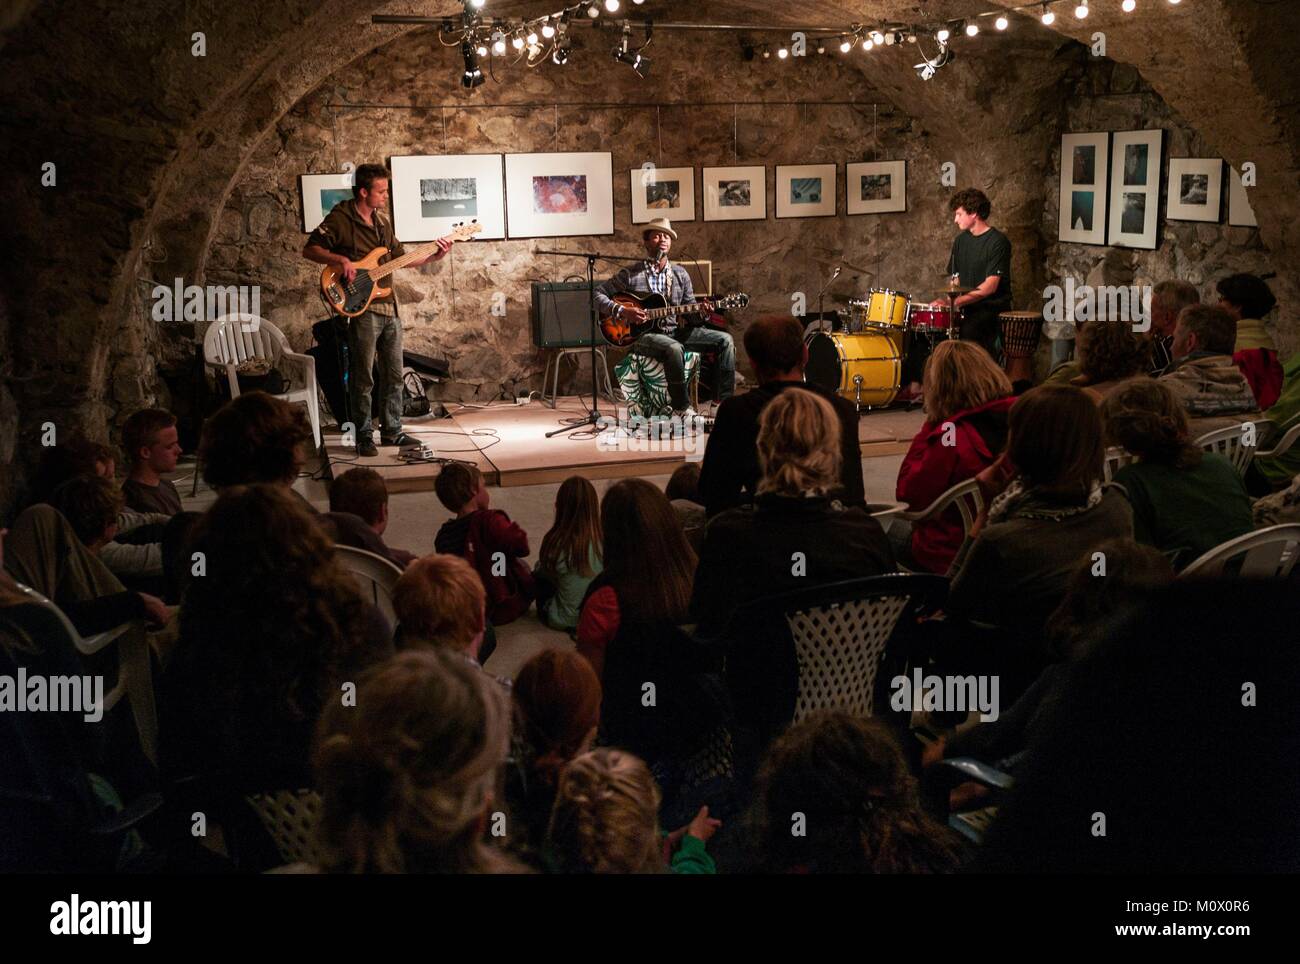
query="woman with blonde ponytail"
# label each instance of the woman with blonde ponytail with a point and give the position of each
(794, 536)
(409, 775)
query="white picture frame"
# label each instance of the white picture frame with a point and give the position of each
(863, 183)
(318, 193)
(559, 195)
(1195, 190)
(735, 193)
(1085, 172)
(1136, 159)
(1240, 213)
(662, 192)
(432, 193)
(806, 190)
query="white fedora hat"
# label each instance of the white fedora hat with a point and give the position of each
(659, 224)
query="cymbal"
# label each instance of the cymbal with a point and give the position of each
(830, 263)
(955, 292)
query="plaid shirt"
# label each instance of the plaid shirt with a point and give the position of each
(641, 281)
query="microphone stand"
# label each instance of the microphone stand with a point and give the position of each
(821, 318)
(593, 415)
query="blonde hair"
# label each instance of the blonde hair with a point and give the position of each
(605, 819)
(407, 774)
(799, 444)
(961, 375)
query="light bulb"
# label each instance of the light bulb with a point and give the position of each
(1081, 11)
(517, 43)
(611, 6)
(1175, 2)
(845, 47)
(499, 47)
(943, 35)
(783, 53)
(972, 29)
(482, 51)
(1049, 18)
(477, 3)
(1001, 23)
(867, 44)
(532, 39)
(593, 11)
(1128, 6)
(878, 37)
(548, 31)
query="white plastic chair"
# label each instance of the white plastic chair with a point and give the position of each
(1227, 442)
(234, 339)
(134, 671)
(1116, 459)
(1282, 445)
(290, 818)
(970, 503)
(376, 577)
(1265, 554)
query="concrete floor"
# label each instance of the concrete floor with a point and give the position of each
(414, 518)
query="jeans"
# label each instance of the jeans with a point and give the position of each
(371, 334)
(671, 353)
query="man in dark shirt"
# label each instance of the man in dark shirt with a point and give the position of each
(350, 232)
(152, 447)
(981, 258)
(730, 472)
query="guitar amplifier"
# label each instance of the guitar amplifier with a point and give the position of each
(562, 315)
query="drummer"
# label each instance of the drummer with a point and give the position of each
(980, 261)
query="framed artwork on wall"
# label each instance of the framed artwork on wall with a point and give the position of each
(806, 190)
(663, 192)
(559, 195)
(735, 193)
(1240, 213)
(1195, 189)
(1085, 164)
(319, 194)
(876, 187)
(1135, 188)
(433, 194)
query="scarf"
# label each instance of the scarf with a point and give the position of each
(1018, 501)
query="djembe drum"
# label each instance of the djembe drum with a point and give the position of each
(1020, 330)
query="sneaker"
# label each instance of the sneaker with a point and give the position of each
(401, 440)
(685, 414)
(366, 448)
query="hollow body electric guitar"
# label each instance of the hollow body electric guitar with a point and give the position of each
(351, 298)
(621, 332)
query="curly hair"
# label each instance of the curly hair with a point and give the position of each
(253, 438)
(90, 504)
(862, 811)
(606, 815)
(1111, 350)
(407, 775)
(1147, 419)
(973, 201)
(799, 444)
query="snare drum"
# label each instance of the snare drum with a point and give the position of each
(886, 309)
(864, 367)
(932, 318)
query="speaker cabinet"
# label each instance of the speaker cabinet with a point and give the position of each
(562, 315)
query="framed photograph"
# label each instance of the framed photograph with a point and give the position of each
(319, 193)
(559, 195)
(1135, 188)
(663, 192)
(735, 193)
(433, 194)
(876, 187)
(1240, 213)
(1195, 189)
(806, 190)
(1085, 165)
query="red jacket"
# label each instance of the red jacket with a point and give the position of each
(1263, 372)
(930, 468)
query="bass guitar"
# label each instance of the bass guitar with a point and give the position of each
(621, 332)
(351, 298)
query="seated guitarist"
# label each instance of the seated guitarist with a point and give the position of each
(657, 275)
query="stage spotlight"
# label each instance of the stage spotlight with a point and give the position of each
(472, 76)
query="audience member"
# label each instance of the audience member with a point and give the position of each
(1279, 508)
(94, 508)
(1204, 376)
(683, 491)
(794, 536)
(70, 458)
(362, 492)
(440, 601)
(1050, 511)
(860, 805)
(730, 472)
(557, 711)
(1185, 501)
(1168, 299)
(152, 447)
(267, 636)
(494, 545)
(408, 775)
(1110, 353)
(569, 558)
(606, 821)
(967, 396)
(1248, 299)
(1280, 469)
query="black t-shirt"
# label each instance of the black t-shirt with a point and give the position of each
(977, 258)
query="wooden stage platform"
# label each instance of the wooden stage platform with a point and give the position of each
(508, 444)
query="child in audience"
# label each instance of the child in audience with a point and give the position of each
(570, 555)
(494, 545)
(152, 447)
(408, 775)
(861, 808)
(362, 492)
(606, 821)
(440, 602)
(683, 492)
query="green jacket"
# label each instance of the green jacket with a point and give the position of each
(1287, 466)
